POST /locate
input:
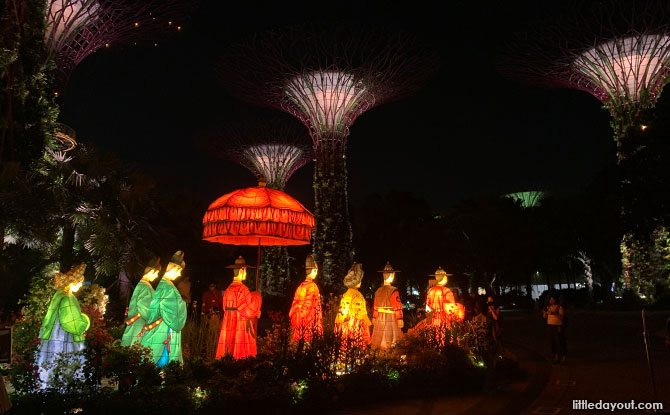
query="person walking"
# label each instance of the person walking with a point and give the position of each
(495, 319)
(554, 314)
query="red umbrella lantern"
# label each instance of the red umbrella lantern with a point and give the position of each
(257, 216)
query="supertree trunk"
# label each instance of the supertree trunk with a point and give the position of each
(274, 271)
(332, 236)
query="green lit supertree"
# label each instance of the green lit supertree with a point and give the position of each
(527, 199)
(327, 76)
(618, 51)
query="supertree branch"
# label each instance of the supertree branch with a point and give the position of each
(272, 148)
(617, 51)
(77, 28)
(326, 75)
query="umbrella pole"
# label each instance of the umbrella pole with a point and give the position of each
(258, 263)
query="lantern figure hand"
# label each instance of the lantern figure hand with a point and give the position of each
(401, 324)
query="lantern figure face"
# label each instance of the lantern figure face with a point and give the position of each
(75, 286)
(240, 274)
(151, 275)
(623, 68)
(172, 273)
(312, 274)
(328, 98)
(388, 278)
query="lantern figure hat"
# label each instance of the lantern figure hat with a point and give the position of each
(440, 274)
(73, 276)
(154, 264)
(388, 269)
(177, 261)
(310, 264)
(239, 263)
(354, 276)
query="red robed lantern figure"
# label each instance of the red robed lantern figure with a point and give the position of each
(440, 302)
(258, 216)
(305, 313)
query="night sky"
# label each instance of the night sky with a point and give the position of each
(468, 132)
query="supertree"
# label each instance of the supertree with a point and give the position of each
(77, 28)
(527, 199)
(271, 148)
(327, 76)
(617, 51)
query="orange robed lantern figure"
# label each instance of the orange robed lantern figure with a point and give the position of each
(240, 310)
(440, 304)
(352, 321)
(387, 312)
(305, 312)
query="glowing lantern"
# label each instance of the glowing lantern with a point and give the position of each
(241, 309)
(64, 325)
(305, 312)
(257, 216)
(387, 312)
(440, 302)
(352, 321)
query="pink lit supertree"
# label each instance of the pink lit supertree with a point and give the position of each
(327, 76)
(77, 28)
(272, 148)
(618, 51)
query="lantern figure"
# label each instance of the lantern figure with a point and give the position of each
(387, 312)
(441, 307)
(64, 325)
(138, 310)
(241, 308)
(166, 317)
(305, 312)
(352, 322)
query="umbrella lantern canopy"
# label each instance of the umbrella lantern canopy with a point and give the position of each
(257, 216)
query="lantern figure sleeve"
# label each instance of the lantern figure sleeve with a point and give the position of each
(138, 312)
(238, 331)
(166, 318)
(352, 321)
(305, 313)
(62, 331)
(387, 313)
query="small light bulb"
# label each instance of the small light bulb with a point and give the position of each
(643, 127)
(136, 24)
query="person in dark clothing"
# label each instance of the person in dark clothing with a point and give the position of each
(495, 320)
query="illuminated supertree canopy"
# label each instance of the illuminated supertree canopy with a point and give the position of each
(77, 28)
(617, 51)
(327, 76)
(527, 199)
(271, 148)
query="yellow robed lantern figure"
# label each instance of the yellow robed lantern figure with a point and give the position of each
(352, 321)
(441, 307)
(305, 313)
(387, 312)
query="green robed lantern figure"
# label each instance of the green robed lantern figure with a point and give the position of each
(138, 310)
(167, 316)
(64, 325)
